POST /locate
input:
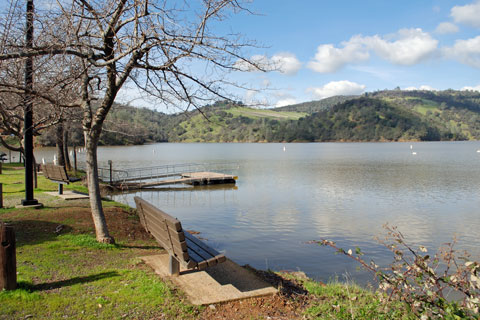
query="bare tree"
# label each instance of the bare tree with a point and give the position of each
(155, 44)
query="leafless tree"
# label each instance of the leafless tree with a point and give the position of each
(157, 45)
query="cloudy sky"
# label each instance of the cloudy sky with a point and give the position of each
(325, 47)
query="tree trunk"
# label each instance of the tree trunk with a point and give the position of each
(59, 143)
(98, 216)
(66, 157)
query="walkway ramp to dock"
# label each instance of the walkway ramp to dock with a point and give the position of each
(191, 173)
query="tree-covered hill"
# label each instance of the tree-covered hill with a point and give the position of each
(392, 115)
(317, 105)
(364, 119)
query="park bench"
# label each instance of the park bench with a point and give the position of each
(181, 246)
(57, 174)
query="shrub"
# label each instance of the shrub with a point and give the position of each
(424, 282)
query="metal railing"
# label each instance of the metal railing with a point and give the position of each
(171, 172)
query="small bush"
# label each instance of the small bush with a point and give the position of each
(422, 281)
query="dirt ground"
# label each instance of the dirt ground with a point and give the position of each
(289, 303)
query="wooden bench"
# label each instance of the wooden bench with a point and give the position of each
(57, 174)
(182, 247)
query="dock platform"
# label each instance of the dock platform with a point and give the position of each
(191, 178)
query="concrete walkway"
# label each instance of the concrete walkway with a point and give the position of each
(69, 195)
(224, 282)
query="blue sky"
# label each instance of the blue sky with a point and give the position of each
(326, 47)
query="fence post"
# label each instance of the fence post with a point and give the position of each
(75, 158)
(1, 195)
(110, 165)
(1, 163)
(8, 260)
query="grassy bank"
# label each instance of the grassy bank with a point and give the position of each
(64, 273)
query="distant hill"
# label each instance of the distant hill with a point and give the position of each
(315, 106)
(391, 115)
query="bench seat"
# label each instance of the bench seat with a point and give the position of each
(57, 174)
(182, 247)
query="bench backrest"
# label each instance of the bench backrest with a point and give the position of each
(166, 230)
(55, 173)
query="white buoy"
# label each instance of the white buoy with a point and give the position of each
(414, 153)
(284, 149)
(478, 151)
(411, 146)
(43, 160)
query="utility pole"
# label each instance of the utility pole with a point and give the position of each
(28, 113)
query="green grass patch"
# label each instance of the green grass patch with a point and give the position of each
(336, 300)
(266, 113)
(423, 109)
(73, 276)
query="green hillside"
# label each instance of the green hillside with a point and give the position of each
(316, 106)
(225, 122)
(392, 115)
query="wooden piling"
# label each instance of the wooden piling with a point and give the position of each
(8, 260)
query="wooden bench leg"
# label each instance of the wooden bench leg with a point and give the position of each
(60, 188)
(173, 266)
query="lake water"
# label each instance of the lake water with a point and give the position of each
(344, 192)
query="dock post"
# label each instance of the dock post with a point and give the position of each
(8, 260)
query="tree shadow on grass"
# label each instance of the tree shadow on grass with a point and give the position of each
(30, 232)
(66, 283)
(145, 247)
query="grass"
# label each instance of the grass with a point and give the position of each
(265, 113)
(74, 276)
(71, 275)
(68, 274)
(336, 300)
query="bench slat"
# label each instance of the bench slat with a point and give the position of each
(201, 244)
(172, 222)
(211, 259)
(201, 264)
(199, 251)
(179, 249)
(153, 218)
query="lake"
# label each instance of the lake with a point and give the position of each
(343, 192)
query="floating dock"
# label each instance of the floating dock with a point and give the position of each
(159, 176)
(191, 178)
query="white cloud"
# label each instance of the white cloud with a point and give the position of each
(330, 59)
(283, 62)
(466, 51)
(446, 27)
(409, 47)
(476, 88)
(467, 14)
(286, 62)
(406, 47)
(336, 88)
(285, 102)
(421, 88)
